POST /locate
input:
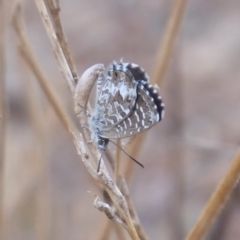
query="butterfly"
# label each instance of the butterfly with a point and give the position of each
(127, 104)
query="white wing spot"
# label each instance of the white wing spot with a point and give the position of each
(111, 121)
(135, 113)
(125, 125)
(134, 65)
(120, 127)
(130, 122)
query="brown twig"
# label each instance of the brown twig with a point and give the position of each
(89, 77)
(162, 63)
(81, 97)
(2, 106)
(170, 36)
(217, 201)
(163, 60)
(177, 168)
(56, 44)
(2, 81)
(29, 57)
(38, 153)
(109, 211)
(54, 8)
(141, 233)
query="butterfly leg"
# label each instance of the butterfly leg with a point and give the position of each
(100, 160)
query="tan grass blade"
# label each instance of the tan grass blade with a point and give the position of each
(217, 201)
(2, 105)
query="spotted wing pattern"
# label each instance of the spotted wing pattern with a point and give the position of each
(148, 110)
(116, 97)
(126, 103)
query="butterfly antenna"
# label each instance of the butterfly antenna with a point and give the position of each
(127, 154)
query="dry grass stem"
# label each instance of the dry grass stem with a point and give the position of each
(163, 60)
(162, 63)
(29, 57)
(56, 44)
(54, 8)
(2, 81)
(118, 205)
(38, 153)
(110, 212)
(2, 106)
(81, 94)
(122, 183)
(141, 233)
(170, 36)
(217, 201)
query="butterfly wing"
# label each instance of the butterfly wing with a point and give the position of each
(147, 111)
(116, 97)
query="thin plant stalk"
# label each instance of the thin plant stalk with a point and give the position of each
(166, 48)
(38, 153)
(161, 66)
(217, 201)
(103, 177)
(2, 106)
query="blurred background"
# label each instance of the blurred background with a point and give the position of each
(45, 185)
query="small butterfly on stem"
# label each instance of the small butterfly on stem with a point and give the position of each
(127, 104)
